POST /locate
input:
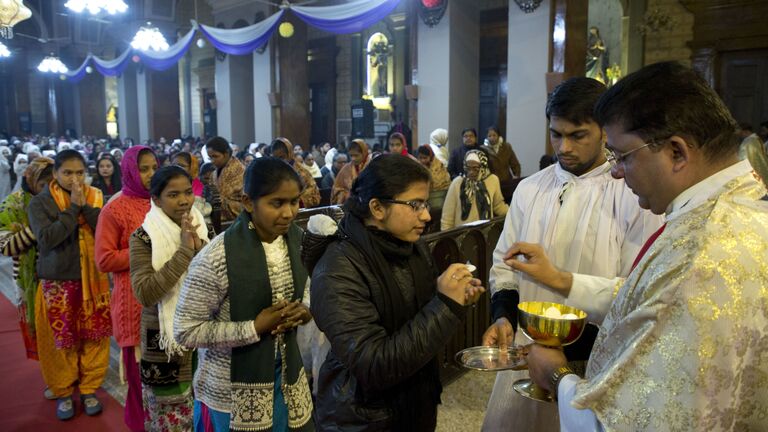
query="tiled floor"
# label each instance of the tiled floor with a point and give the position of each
(464, 402)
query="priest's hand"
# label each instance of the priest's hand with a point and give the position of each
(538, 266)
(499, 333)
(542, 364)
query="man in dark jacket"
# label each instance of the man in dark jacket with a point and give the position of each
(456, 161)
(329, 174)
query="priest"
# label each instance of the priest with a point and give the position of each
(588, 223)
(683, 346)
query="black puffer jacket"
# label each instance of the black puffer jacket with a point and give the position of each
(367, 367)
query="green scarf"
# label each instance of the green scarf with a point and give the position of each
(253, 366)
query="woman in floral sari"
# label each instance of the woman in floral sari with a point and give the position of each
(228, 179)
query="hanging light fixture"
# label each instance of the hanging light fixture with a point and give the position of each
(4, 51)
(11, 13)
(528, 6)
(95, 7)
(149, 39)
(52, 64)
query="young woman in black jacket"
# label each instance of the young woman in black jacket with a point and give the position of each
(376, 295)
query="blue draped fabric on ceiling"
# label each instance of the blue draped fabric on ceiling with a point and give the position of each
(244, 40)
(351, 17)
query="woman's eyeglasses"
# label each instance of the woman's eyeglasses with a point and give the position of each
(417, 205)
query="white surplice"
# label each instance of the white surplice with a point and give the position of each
(590, 225)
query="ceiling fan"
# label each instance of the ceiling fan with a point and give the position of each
(41, 39)
(94, 19)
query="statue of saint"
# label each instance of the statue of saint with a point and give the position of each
(378, 62)
(596, 56)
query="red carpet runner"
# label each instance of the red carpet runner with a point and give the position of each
(22, 405)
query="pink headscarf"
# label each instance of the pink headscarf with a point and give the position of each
(132, 185)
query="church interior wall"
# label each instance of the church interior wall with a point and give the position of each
(528, 61)
(465, 69)
(674, 43)
(432, 78)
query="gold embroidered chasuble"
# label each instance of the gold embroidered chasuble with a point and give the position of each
(685, 344)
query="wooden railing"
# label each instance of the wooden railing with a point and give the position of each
(474, 243)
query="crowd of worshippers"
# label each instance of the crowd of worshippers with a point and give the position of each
(474, 182)
(648, 221)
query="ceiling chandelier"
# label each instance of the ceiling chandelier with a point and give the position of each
(11, 13)
(4, 51)
(149, 38)
(97, 6)
(52, 64)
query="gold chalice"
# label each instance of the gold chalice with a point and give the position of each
(552, 325)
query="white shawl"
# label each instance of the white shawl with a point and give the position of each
(166, 240)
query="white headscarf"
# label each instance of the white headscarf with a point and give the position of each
(438, 141)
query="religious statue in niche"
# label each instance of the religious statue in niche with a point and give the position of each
(379, 53)
(596, 56)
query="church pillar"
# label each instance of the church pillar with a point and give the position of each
(143, 100)
(90, 112)
(527, 65)
(128, 108)
(70, 109)
(448, 74)
(54, 105)
(263, 78)
(185, 94)
(234, 99)
(163, 104)
(294, 123)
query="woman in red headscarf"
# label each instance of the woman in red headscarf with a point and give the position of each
(118, 220)
(398, 145)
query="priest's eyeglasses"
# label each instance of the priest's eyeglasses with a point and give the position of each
(615, 158)
(417, 205)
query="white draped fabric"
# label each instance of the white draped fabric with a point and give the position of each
(350, 9)
(111, 64)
